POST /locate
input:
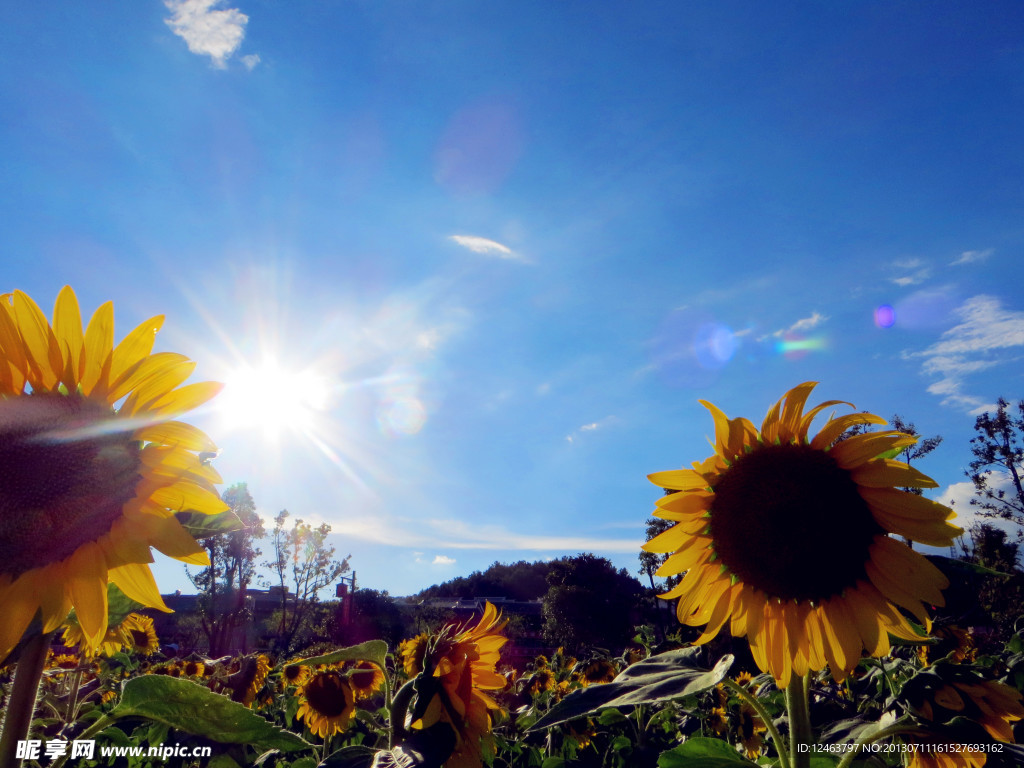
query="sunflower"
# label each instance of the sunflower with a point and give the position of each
(750, 730)
(366, 678)
(464, 663)
(540, 681)
(295, 674)
(936, 752)
(598, 671)
(192, 668)
(140, 635)
(93, 466)
(412, 652)
(718, 720)
(787, 538)
(326, 702)
(248, 678)
(64, 662)
(112, 641)
(948, 691)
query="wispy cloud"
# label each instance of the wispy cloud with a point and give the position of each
(487, 247)
(443, 560)
(985, 329)
(449, 534)
(913, 271)
(591, 427)
(802, 325)
(970, 257)
(216, 33)
(251, 61)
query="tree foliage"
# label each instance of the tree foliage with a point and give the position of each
(222, 586)
(589, 603)
(998, 452)
(303, 564)
(516, 581)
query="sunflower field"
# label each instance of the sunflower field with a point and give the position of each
(808, 656)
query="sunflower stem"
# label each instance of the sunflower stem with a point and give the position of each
(22, 703)
(399, 706)
(800, 734)
(101, 724)
(766, 718)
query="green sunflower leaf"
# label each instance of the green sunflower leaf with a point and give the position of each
(202, 526)
(669, 675)
(353, 756)
(372, 650)
(702, 752)
(954, 569)
(119, 605)
(186, 706)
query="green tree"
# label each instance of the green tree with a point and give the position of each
(1001, 598)
(590, 604)
(998, 452)
(222, 586)
(304, 563)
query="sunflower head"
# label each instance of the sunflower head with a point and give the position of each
(597, 671)
(413, 651)
(93, 465)
(249, 679)
(750, 731)
(326, 702)
(295, 674)
(366, 678)
(140, 635)
(786, 538)
(540, 681)
(948, 691)
(460, 664)
(193, 668)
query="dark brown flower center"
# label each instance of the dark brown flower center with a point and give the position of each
(788, 520)
(329, 695)
(140, 639)
(66, 470)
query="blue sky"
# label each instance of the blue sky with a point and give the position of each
(502, 249)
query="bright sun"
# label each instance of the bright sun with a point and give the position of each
(273, 398)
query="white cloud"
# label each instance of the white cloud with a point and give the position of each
(915, 271)
(487, 247)
(970, 257)
(800, 326)
(985, 330)
(209, 32)
(591, 427)
(443, 560)
(959, 495)
(452, 534)
(251, 61)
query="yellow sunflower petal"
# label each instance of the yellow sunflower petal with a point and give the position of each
(792, 413)
(678, 480)
(99, 342)
(87, 582)
(67, 327)
(835, 427)
(855, 450)
(887, 473)
(137, 582)
(45, 362)
(186, 398)
(135, 347)
(177, 434)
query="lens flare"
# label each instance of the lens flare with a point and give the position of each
(885, 316)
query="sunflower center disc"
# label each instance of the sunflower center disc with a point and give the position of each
(326, 694)
(64, 477)
(788, 520)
